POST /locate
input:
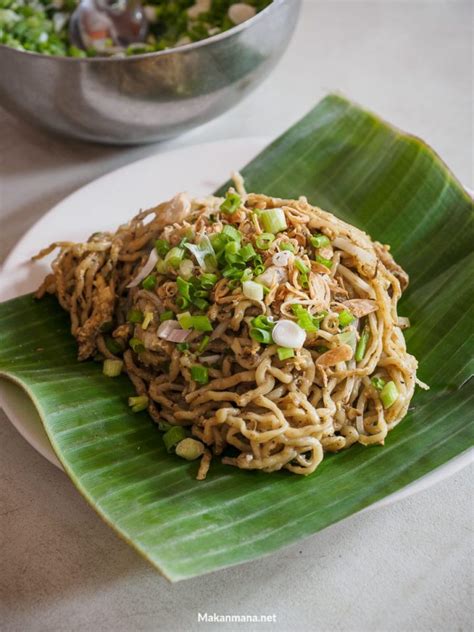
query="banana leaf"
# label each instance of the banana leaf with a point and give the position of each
(350, 162)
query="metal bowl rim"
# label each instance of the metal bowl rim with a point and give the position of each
(161, 53)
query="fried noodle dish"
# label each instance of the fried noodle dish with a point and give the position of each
(259, 330)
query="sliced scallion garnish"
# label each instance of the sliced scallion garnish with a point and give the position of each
(112, 368)
(162, 247)
(264, 241)
(149, 282)
(345, 318)
(284, 353)
(389, 394)
(200, 373)
(173, 436)
(273, 220)
(134, 316)
(319, 240)
(167, 315)
(262, 336)
(231, 203)
(139, 403)
(324, 262)
(362, 345)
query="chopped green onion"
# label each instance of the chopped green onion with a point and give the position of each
(173, 436)
(297, 308)
(231, 233)
(362, 344)
(168, 315)
(264, 240)
(134, 316)
(137, 404)
(301, 266)
(273, 220)
(284, 353)
(200, 323)
(252, 290)
(303, 279)
(321, 348)
(185, 320)
(203, 344)
(201, 304)
(319, 240)
(162, 266)
(149, 283)
(200, 374)
(286, 245)
(162, 247)
(262, 322)
(182, 346)
(307, 322)
(112, 368)
(260, 269)
(345, 318)
(389, 394)
(201, 293)
(324, 262)
(174, 257)
(231, 251)
(184, 287)
(247, 252)
(114, 345)
(378, 383)
(137, 345)
(182, 302)
(231, 203)
(261, 335)
(207, 281)
(247, 275)
(189, 449)
(164, 426)
(233, 272)
(183, 242)
(148, 317)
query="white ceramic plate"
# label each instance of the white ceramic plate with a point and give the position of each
(104, 204)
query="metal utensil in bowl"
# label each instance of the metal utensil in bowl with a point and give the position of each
(149, 97)
(95, 23)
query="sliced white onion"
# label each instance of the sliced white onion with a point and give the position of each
(282, 259)
(178, 335)
(253, 290)
(172, 331)
(209, 359)
(145, 271)
(272, 275)
(287, 333)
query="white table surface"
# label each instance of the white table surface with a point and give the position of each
(406, 567)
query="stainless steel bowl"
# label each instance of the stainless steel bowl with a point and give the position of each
(148, 97)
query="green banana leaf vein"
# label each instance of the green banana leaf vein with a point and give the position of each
(392, 185)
